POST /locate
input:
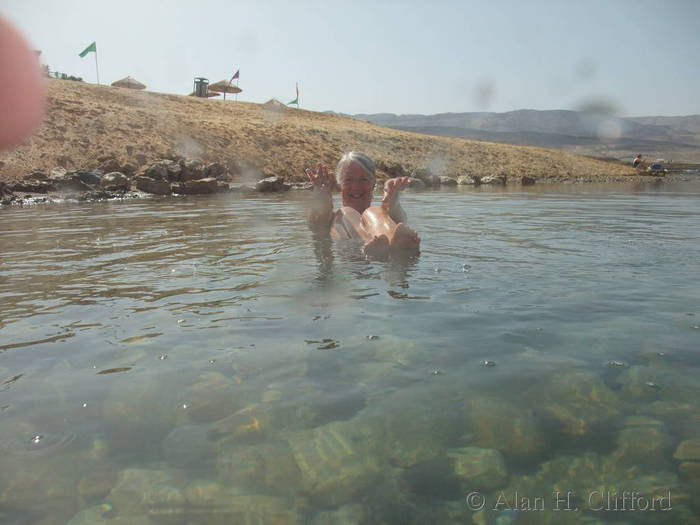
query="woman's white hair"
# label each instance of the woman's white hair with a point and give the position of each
(358, 158)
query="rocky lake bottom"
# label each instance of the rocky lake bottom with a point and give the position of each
(208, 361)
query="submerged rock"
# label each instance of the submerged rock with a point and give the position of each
(97, 485)
(688, 450)
(188, 446)
(576, 400)
(496, 424)
(103, 515)
(591, 477)
(479, 468)
(643, 446)
(268, 468)
(140, 492)
(352, 514)
(337, 462)
(213, 397)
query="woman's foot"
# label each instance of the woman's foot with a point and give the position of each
(405, 240)
(377, 248)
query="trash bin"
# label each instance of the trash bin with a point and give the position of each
(201, 87)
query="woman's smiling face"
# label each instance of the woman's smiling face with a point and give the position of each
(356, 186)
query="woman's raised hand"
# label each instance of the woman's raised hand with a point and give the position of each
(322, 179)
(392, 188)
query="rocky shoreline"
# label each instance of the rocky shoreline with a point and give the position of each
(183, 176)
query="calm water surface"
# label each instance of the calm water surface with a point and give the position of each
(206, 361)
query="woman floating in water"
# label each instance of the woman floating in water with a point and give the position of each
(382, 228)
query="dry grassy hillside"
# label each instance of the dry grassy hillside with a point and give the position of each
(87, 124)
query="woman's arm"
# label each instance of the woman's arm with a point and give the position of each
(320, 212)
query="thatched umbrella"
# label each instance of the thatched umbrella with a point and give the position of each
(129, 83)
(224, 86)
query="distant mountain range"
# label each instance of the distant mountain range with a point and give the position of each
(672, 138)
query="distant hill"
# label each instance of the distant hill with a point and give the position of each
(578, 132)
(87, 124)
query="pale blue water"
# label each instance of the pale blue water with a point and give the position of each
(226, 331)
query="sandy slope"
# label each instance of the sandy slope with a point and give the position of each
(87, 124)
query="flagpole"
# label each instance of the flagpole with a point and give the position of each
(96, 68)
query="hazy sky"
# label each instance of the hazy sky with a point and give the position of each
(388, 56)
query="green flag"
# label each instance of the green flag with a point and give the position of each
(296, 100)
(91, 48)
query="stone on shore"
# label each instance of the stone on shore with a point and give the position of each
(156, 187)
(115, 181)
(192, 169)
(90, 177)
(469, 180)
(271, 184)
(216, 170)
(416, 184)
(495, 180)
(71, 184)
(204, 186)
(32, 186)
(36, 176)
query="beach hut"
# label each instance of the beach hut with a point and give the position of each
(274, 105)
(224, 86)
(129, 83)
(208, 95)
